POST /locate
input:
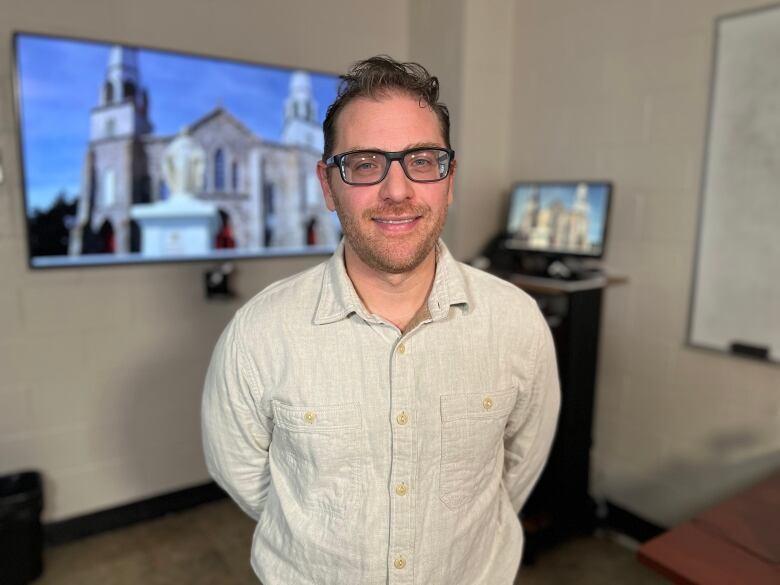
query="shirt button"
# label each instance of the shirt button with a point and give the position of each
(402, 418)
(310, 417)
(487, 403)
(402, 349)
(401, 489)
(399, 563)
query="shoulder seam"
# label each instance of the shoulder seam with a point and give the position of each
(279, 285)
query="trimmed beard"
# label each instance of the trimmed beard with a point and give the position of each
(378, 254)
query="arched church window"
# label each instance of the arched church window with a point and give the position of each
(106, 238)
(311, 232)
(219, 170)
(109, 188)
(269, 203)
(234, 176)
(225, 236)
(135, 236)
(142, 191)
(313, 191)
(110, 127)
(108, 92)
(128, 88)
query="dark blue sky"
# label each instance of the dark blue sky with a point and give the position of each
(60, 82)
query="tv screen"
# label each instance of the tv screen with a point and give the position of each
(560, 218)
(138, 155)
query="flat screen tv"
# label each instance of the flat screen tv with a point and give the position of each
(559, 218)
(137, 155)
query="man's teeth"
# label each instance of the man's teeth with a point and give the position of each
(395, 221)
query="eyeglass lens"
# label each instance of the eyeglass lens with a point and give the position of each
(419, 165)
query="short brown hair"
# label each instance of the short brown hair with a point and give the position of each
(378, 76)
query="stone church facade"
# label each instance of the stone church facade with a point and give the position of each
(266, 193)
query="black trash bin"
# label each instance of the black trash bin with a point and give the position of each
(21, 535)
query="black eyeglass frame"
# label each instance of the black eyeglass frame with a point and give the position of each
(337, 159)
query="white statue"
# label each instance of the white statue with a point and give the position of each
(183, 165)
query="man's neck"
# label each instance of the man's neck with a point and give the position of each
(394, 297)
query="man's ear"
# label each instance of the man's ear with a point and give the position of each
(322, 175)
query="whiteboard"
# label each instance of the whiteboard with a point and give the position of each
(736, 287)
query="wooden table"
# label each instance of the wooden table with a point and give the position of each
(734, 542)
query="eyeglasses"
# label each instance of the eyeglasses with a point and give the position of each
(369, 167)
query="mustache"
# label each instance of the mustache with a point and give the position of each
(396, 210)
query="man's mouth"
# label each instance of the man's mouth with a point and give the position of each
(395, 220)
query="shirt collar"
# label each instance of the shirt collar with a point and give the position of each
(338, 298)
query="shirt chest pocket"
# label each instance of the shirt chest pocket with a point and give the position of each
(472, 429)
(315, 452)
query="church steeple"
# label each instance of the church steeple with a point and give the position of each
(124, 103)
(301, 127)
(122, 79)
(300, 104)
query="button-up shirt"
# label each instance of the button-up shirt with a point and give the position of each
(372, 456)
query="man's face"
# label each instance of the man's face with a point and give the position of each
(392, 226)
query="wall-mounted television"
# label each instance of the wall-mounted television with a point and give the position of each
(559, 218)
(133, 155)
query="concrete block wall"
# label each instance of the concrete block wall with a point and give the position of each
(619, 90)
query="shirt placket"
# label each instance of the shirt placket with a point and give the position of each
(403, 463)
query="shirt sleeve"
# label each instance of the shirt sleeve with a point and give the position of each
(236, 435)
(531, 426)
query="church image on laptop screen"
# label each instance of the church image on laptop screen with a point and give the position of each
(562, 218)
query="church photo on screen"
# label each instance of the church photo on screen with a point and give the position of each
(559, 218)
(134, 155)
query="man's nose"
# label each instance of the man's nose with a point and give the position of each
(396, 186)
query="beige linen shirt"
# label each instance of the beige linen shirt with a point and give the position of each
(369, 456)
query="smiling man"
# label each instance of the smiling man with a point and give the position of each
(384, 415)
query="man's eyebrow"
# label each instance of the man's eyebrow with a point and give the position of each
(425, 145)
(407, 147)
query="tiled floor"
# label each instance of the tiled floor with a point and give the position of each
(209, 545)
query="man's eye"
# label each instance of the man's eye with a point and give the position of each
(421, 162)
(365, 164)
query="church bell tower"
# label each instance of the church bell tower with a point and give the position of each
(301, 127)
(123, 108)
